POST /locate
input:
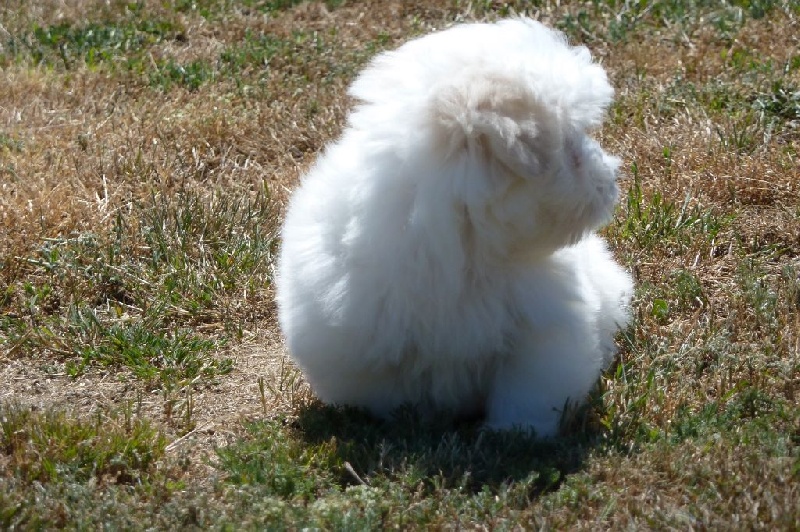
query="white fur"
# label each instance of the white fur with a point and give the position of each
(441, 252)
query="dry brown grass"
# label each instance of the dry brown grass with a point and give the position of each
(700, 422)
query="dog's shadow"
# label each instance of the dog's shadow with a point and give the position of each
(446, 453)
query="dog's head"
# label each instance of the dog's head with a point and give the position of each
(507, 109)
(528, 169)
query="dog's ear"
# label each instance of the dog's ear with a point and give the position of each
(496, 119)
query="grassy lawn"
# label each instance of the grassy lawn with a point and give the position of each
(147, 149)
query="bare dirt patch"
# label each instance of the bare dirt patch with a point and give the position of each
(216, 410)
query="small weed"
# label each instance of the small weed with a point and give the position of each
(92, 44)
(262, 395)
(119, 299)
(687, 290)
(660, 310)
(782, 103)
(718, 97)
(200, 247)
(742, 134)
(190, 76)
(739, 406)
(10, 143)
(148, 349)
(59, 471)
(759, 293)
(179, 408)
(214, 9)
(658, 222)
(290, 385)
(275, 5)
(170, 357)
(286, 468)
(791, 288)
(253, 53)
(51, 447)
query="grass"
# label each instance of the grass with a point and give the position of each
(147, 150)
(659, 222)
(128, 298)
(55, 460)
(319, 464)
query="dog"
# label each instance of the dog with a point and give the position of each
(442, 252)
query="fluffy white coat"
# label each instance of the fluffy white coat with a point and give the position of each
(441, 253)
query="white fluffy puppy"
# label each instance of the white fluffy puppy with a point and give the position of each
(441, 253)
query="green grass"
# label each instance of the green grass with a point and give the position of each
(131, 297)
(706, 473)
(339, 469)
(255, 51)
(190, 75)
(10, 143)
(51, 447)
(60, 471)
(64, 44)
(127, 47)
(781, 103)
(659, 222)
(214, 9)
